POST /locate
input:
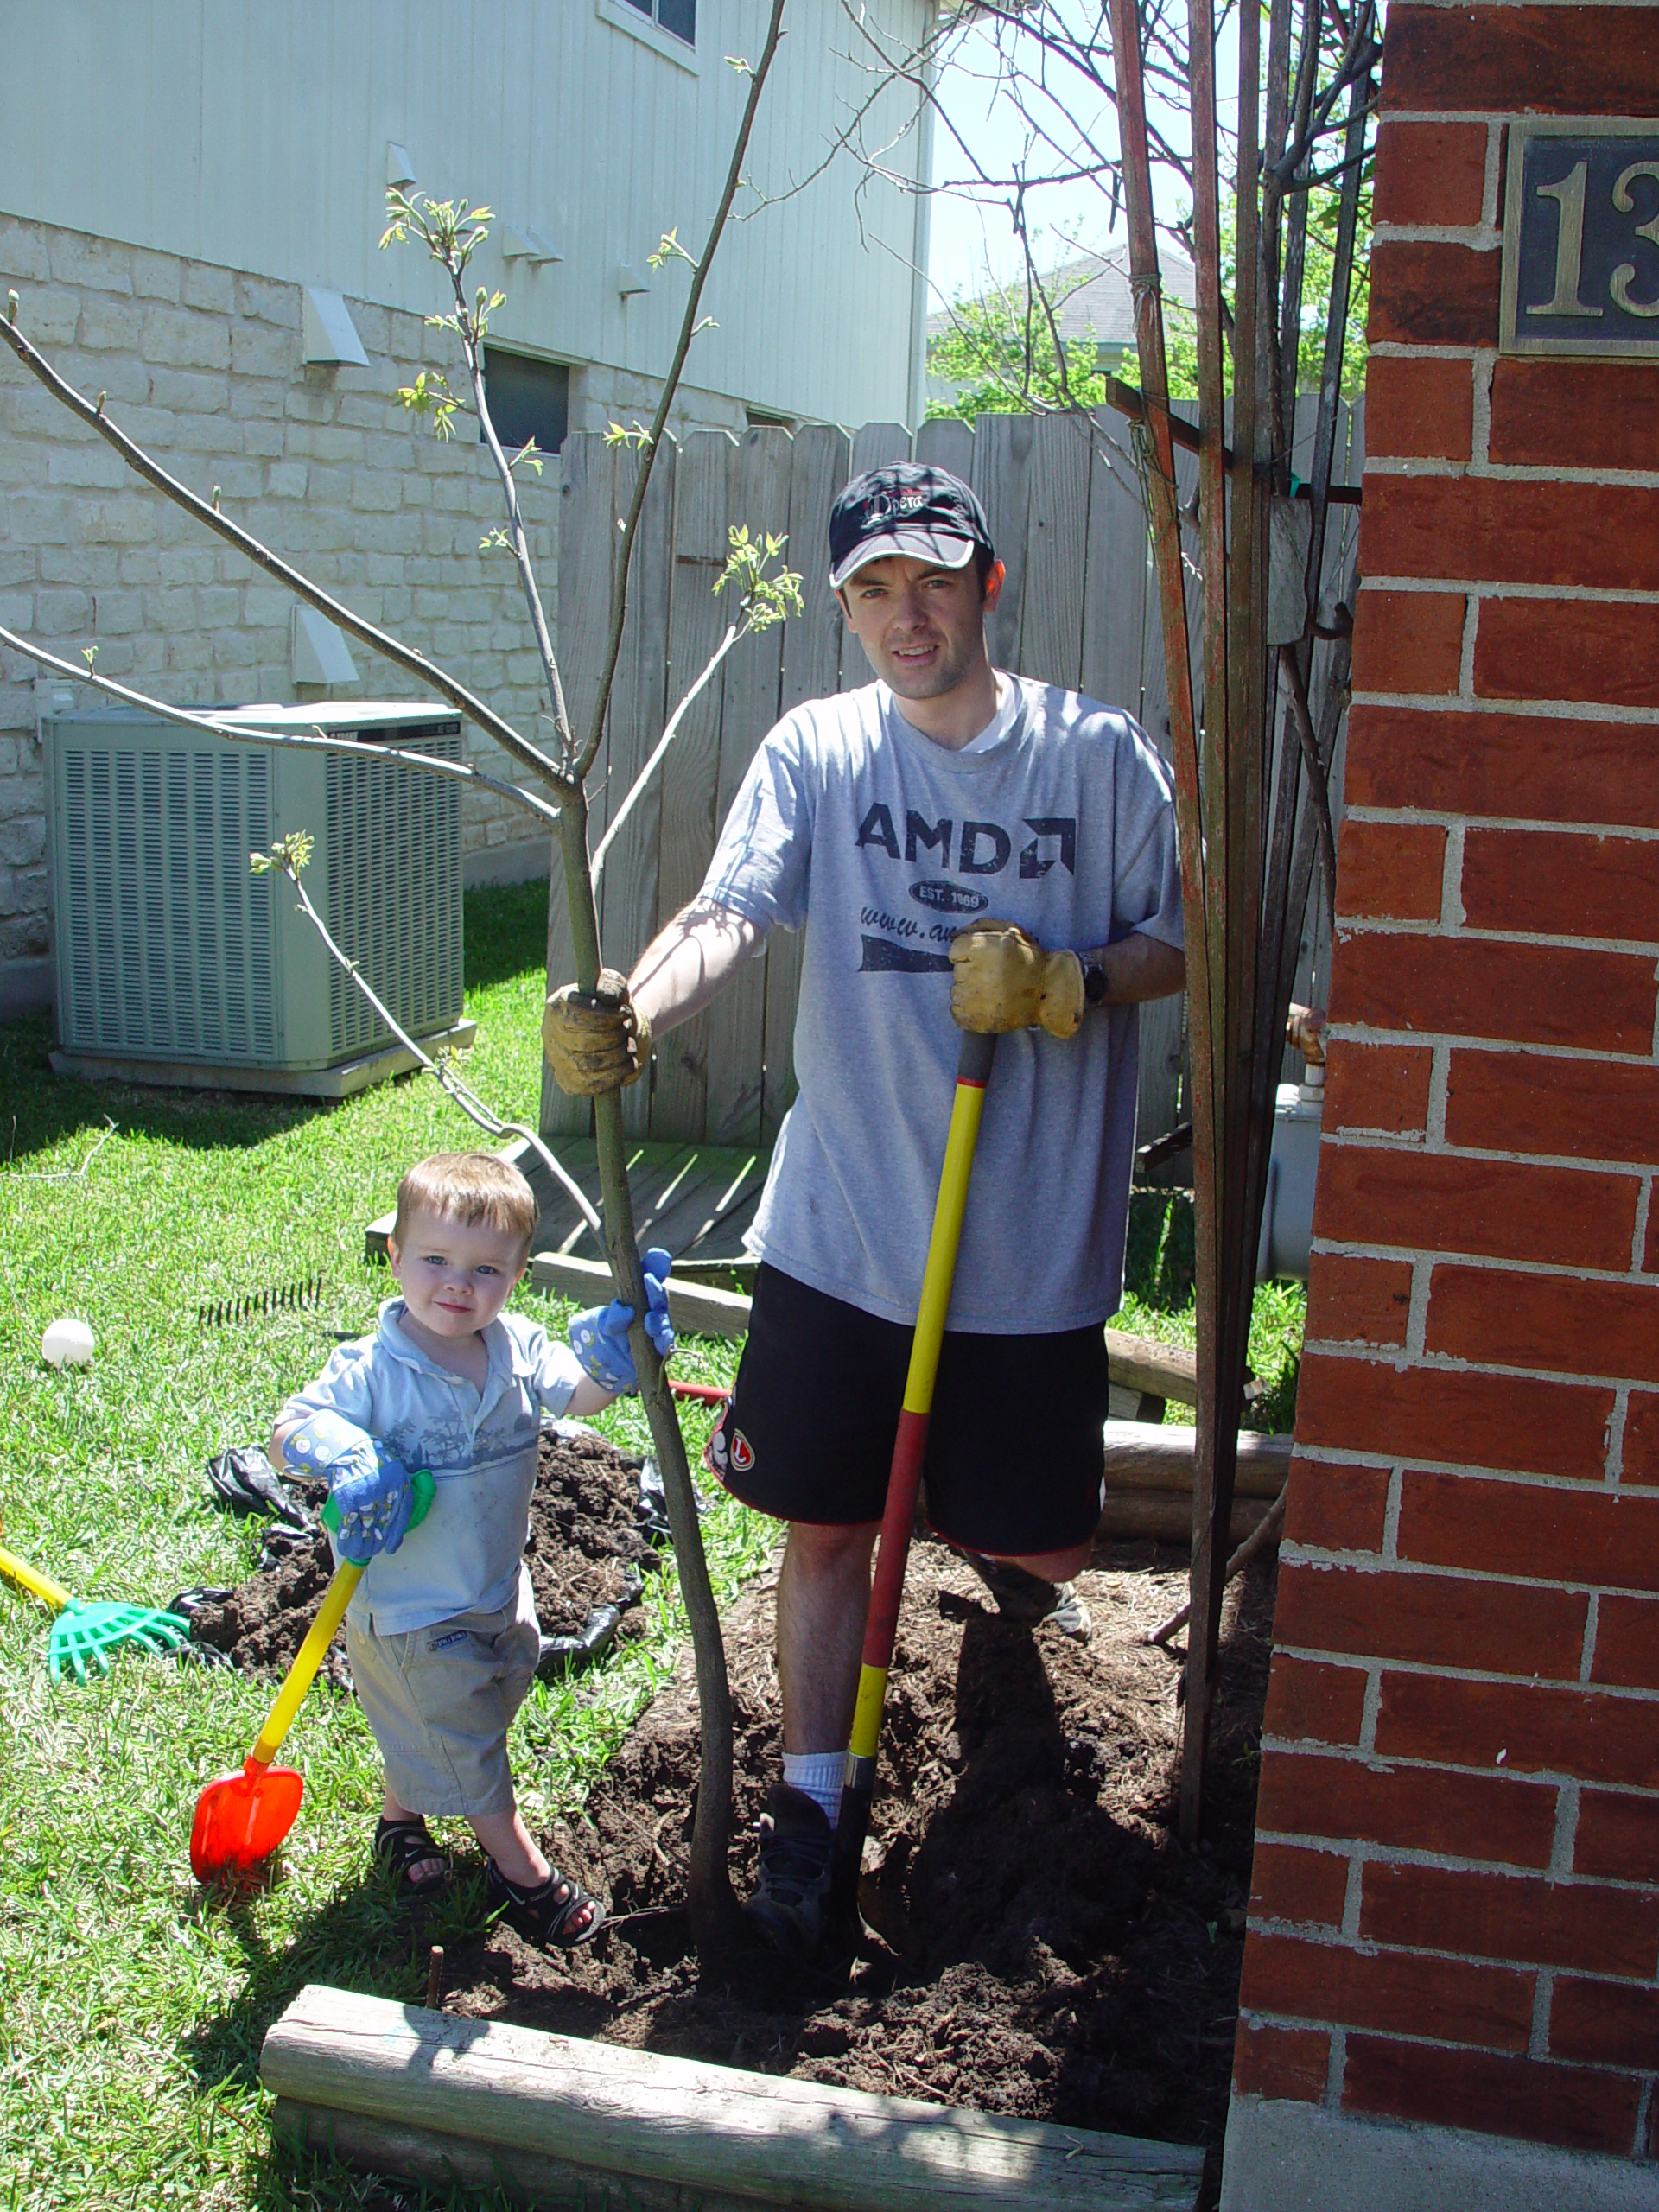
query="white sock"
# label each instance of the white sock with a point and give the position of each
(819, 1775)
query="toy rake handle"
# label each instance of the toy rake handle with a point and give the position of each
(321, 1634)
(909, 1446)
(28, 1578)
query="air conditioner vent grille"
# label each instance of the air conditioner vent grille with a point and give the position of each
(399, 862)
(170, 948)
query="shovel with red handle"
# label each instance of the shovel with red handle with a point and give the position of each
(241, 1818)
(909, 1451)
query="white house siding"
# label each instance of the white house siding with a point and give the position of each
(254, 138)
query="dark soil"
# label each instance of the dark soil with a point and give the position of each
(587, 1549)
(1038, 1942)
(1047, 1947)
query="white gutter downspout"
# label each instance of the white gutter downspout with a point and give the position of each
(916, 403)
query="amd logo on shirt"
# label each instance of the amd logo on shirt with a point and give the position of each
(973, 848)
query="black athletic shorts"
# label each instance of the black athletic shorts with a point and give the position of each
(1014, 1457)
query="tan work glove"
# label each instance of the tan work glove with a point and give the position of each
(596, 1043)
(1004, 980)
(1304, 1033)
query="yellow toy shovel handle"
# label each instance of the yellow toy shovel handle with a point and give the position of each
(307, 1661)
(321, 1634)
(27, 1578)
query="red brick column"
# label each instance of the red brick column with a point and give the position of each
(1455, 1918)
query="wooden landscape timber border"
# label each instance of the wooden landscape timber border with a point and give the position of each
(440, 2098)
(1149, 1481)
(696, 1308)
(1136, 1364)
(1142, 1458)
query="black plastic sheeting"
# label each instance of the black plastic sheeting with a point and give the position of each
(194, 1654)
(244, 1480)
(568, 1654)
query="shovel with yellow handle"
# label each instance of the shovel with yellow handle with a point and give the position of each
(909, 1451)
(242, 1818)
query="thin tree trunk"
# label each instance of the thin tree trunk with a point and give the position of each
(710, 1900)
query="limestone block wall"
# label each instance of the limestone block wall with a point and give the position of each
(1451, 1981)
(201, 365)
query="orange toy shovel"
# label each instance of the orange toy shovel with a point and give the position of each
(241, 1818)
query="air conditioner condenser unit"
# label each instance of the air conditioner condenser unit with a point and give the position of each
(177, 964)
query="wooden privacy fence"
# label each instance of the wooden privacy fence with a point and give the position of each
(1078, 609)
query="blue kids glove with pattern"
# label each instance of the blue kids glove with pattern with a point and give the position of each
(371, 1488)
(600, 1337)
(376, 1504)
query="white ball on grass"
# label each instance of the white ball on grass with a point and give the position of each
(68, 1342)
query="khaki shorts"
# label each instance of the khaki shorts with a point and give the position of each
(440, 1700)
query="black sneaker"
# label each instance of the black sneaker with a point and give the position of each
(792, 1904)
(1027, 1600)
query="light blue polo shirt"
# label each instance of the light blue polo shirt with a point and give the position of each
(468, 1554)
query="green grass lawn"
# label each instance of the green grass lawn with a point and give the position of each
(1158, 1302)
(131, 2010)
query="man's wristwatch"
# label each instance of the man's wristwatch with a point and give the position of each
(1093, 983)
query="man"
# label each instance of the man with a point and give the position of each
(882, 822)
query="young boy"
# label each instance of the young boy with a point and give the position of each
(442, 1632)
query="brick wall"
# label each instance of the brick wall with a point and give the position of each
(1455, 1918)
(202, 365)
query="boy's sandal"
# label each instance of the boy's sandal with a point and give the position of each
(401, 1846)
(541, 1916)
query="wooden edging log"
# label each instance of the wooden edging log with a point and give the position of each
(397, 2089)
(1149, 1483)
(1157, 1370)
(1142, 1458)
(696, 1309)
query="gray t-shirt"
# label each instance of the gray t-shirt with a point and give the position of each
(881, 843)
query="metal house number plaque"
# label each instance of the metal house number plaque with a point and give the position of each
(1581, 238)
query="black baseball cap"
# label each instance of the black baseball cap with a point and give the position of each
(908, 509)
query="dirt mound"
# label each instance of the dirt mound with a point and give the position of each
(1043, 1945)
(587, 1549)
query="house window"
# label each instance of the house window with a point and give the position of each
(679, 17)
(529, 398)
(667, 27)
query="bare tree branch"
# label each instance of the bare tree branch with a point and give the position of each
(246, 734)
(641, 782)
(367, 633)
(283, 856)
(758, 77)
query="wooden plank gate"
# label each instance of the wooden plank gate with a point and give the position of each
(1078, 609)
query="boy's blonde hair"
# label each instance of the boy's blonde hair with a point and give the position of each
(468, 1187)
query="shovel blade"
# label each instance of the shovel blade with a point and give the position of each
(241, 1819)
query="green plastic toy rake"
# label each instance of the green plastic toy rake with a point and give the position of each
(92, 1631)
